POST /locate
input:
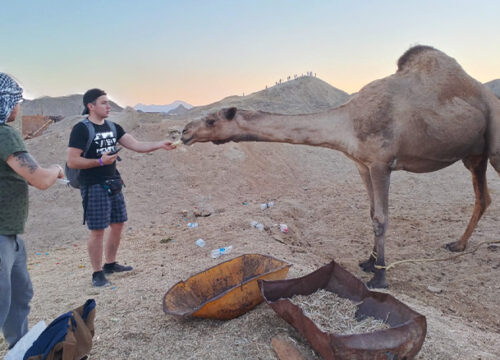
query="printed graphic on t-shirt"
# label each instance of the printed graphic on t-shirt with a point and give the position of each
(105, 142)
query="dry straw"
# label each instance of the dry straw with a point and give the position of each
(334, 314)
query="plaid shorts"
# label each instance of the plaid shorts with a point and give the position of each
(103, 209)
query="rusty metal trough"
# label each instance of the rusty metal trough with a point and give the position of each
(224, 291)
(402, 340)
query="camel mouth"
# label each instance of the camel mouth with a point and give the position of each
(187, 141)
(219, 142)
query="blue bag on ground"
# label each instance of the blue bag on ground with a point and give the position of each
(69, 337)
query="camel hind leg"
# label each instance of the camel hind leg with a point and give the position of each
(477, 166)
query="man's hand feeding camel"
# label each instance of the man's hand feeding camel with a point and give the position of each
(425, 117)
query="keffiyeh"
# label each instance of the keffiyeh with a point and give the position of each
(10, 94)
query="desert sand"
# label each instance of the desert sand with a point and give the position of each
(317, 193)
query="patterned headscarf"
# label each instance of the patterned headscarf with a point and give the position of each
(10, 94)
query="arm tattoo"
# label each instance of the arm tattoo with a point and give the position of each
(26, 160)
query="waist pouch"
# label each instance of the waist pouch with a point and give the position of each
(113, 186)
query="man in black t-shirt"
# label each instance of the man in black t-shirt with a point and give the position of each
(103, 201)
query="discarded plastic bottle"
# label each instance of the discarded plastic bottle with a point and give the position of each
(284, 228)
(200, 242)
(264, 206)
(193, 225)
(221, 251)
(257, 225)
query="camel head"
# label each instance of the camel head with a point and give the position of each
(219, 127)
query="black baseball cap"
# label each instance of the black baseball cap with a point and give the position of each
(89, 97)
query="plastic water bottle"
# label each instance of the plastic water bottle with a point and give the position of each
(257, 225)
(269, 204)
(221, 251)
(193, 225)
(200, 242)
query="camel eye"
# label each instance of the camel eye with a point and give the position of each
(210, 122)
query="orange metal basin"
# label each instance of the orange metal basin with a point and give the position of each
(224, 291)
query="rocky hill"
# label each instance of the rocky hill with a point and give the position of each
(179, 110)
(162, 108)
(494, 85)
(302, 95)
(58, 106)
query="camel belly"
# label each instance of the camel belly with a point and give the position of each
(417, 165)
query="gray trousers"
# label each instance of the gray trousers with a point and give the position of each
(16, 290)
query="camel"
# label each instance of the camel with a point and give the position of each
(426, 116)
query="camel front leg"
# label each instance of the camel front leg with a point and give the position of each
(364, 172)
(380, 178)
(477, 165)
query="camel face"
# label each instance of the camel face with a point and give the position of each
(218, 127)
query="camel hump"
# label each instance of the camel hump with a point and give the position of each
(411, 54)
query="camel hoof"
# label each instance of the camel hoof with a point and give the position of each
(368, 265)
(454, 246)
(377, 283)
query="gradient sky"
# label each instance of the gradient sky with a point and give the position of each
(200, 51)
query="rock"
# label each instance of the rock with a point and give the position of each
(434, 289)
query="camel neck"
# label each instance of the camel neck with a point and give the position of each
(329, 129)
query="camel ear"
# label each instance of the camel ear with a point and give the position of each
(230, 113)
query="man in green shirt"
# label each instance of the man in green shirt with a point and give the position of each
(17, 169)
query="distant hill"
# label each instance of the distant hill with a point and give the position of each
(179, 110)
(162, 108)
(58, 106)
(494, 85)
(299, 96)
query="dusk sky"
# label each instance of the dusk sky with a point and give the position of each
(156, 52)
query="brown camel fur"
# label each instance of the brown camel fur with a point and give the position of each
(426, 116)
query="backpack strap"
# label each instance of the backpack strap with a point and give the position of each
(112, 126)
(87, 308)
(91, 130)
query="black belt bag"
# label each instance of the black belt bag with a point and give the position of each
(113, 186)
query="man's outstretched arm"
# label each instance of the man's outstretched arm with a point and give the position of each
(129, 142)
(27, 167)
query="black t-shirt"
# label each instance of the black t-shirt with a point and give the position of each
(104, 141)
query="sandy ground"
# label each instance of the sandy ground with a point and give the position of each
(317, 193)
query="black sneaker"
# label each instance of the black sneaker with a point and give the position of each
(115, 267)
(99, 280)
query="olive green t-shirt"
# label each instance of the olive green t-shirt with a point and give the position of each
(13, 188)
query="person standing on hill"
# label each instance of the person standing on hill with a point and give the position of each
(101, 183)
(17, 169)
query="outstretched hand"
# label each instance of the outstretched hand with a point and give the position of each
(167, 145)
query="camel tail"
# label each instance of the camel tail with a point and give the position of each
(494, 130)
